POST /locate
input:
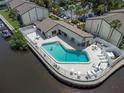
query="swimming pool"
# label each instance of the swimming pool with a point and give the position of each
(63, 55)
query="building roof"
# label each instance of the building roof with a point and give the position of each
(110, 17)
(48, 24)
(101, 17)
(74, 29)
(14, 3)
(22, 6)
(117, 11)
(25, 7)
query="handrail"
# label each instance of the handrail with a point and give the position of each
(67, 73)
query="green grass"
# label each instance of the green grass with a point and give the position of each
(5, 14)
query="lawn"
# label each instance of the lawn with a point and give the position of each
(5, 14)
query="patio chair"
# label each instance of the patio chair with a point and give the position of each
(78, 75)
(101, 55)
(72, 72)
(34, 42)
(103, 66)
(94, 48)
(97, 67)
(104, 60)
(37, 37)
(94, 72)
(90, 75)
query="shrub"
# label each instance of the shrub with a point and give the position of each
(54, 17)
(18, 42)
(122, 46)
(81, 26)
(75, 21)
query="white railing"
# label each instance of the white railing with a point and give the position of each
(64, 72)
(7, 23)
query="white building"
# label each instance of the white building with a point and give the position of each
(27, 12)
(101, 26)
(50, 28)
(3, 2)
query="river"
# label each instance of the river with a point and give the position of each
(24, 73)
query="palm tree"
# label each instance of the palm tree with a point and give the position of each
(122, 46)
(78, 11)
(116, 24)
(55, 8)
(39, 2)
(71, 8)
(101, 9)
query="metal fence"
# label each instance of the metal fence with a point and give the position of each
(66, 73)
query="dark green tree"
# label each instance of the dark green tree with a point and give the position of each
(18, 42)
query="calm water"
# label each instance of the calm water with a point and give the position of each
(24, 73)
(65, 55)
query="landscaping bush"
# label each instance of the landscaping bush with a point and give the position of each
(54, 17)
(8, 16)
(122, 46)
(81, 26)
(75, 21)
(18, 42)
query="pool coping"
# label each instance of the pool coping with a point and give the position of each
(62, 62)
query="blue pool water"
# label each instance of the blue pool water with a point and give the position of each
(65, 55)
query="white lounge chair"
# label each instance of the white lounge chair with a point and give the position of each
(97, 67)
(104, 61)
(34, 42)
(94, 72)
(94, 47)
(102, 58)
(90, 75)
(103, 66)
(101, 55)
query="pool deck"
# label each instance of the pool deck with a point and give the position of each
(80, 70)
(74, 82)
(77, 67)
(62, 71)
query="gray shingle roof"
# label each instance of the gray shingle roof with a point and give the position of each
(25, 7)
(110, 17)
(74, 29)
(14, 3)
(22, 6)
(48, 24)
